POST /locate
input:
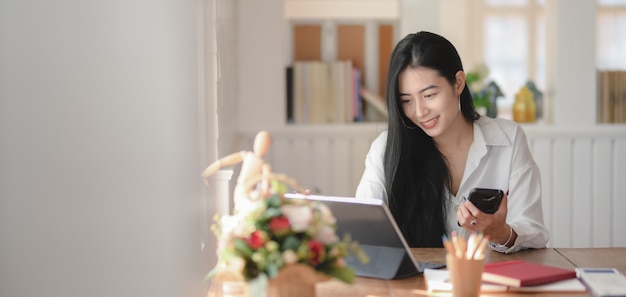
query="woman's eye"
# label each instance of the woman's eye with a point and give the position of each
(405, 101)
(428, 96)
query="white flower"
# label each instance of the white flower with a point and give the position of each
(326, 235)
(299, 216)
(327, 216)
(230, 226)
(250, 208)
(482, 69)
(290, 257)
(476, 86)
(237, 264)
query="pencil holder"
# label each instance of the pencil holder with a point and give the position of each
(465, 275)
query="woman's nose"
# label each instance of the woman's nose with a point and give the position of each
(420, 109)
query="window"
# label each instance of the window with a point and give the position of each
(512, 42)
(611, 35)
(513, 45)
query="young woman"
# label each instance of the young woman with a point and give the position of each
(437, 149)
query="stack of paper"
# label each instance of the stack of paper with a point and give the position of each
(438, 280)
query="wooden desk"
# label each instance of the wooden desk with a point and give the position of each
(596, 258)
(568, 258)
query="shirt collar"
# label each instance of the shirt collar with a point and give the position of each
(488, 133)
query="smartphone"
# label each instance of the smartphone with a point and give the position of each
(487, 200)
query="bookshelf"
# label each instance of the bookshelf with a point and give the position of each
(332, 60)
(323, 92)
(264, 50)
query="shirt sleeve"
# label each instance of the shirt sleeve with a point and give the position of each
(372, 184)
(525, 212)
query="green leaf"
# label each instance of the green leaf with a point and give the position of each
(242, 247)
(272, 270)
(344, 274)
(211, 273)
(273, 201)
(472, 77)
(278, 186)
(273, 212)
(290, 243)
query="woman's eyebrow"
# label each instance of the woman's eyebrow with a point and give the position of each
(427, 88)
(421, 91)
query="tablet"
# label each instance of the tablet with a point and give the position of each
(370, 223)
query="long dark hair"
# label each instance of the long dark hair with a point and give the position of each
(416, 173)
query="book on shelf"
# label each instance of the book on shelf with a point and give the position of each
(289, 93)
(611, 96)
(375, 101)
(356, 95)
(323, 92)
(521, 273)
(438, 280)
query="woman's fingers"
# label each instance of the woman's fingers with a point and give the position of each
(465, 216)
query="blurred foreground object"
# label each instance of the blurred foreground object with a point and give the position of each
(272, 244)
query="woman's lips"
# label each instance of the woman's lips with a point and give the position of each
(430, 123)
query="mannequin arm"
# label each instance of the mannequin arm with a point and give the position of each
(231, 159)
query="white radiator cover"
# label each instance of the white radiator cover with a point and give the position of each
(583, 173)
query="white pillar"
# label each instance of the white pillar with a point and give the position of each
(221, 185)
(573, 61)
(419, 15)
(261, 70)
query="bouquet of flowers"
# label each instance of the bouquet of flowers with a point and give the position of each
(276, 231)
(268, 232)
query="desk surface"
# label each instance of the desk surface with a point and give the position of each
(568, 258)
(597, 257)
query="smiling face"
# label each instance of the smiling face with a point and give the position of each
(429, 100)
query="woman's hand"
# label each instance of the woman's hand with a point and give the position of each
(492, 225)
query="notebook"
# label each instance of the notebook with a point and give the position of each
(520, 273)
(371, 224)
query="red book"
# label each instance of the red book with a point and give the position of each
(520, 273)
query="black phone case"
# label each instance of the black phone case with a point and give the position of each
(487, 200)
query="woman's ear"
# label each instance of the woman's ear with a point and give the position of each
(459, 81)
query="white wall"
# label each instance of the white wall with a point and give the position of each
(572, 79)
(226, 72)
(261, 69)
(582, 173)
(419, 15)
(100, 151)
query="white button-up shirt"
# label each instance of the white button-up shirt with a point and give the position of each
(498, 158)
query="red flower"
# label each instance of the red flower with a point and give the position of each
(280, 225)
(256, 240)
(316, 252)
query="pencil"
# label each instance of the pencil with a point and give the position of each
(455, 244)
(448, 245)
(482, 246)
(477, 241)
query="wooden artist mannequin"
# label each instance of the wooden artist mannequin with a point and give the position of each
(252, 165)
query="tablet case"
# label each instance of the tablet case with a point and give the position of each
(370, 223)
